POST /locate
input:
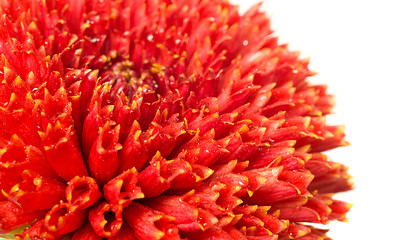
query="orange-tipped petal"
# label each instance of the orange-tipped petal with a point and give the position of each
(36, 192)
(122, 189)
(106, 219)
(150, 224)
(86, 232)
(61, 220)
(82, 192)
(13, 217)
(103, 160)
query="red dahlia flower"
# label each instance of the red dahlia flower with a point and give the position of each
(160, 119)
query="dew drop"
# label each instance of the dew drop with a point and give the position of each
(94, 40)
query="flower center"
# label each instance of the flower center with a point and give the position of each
(123, 76)
(125, 70)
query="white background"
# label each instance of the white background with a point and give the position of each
(354, 45)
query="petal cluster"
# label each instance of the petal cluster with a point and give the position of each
(160, 119)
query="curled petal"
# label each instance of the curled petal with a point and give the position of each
(15, 157)
(89, 79)
(140, 146)
(187, 217)
(136, 150)
(275, 192)
(13, 217)
(295, 230)
(125, 115)
(210, 234)
(74, 98)
(336, 180)
(264, 237)
(318, 165)
(106, 220)
(320, 204)
(86, 232)
(82, 192)
(252, 222)
(103, 159)
(151, 180)
(126, 233)
(122, 189)
(91, 125)
(201, 150)
(300, 179)
(63, 152)
(332, 138)
(204, 221)
(267, 155)
(61, 220)
(36, 231)
(300, 214)
(150, 224)
(27, 131)
(36, 192)
(261, 177)
(315, 234)
(208, 199)
(53, 106)
(339, 210)
(271, 220)
(237, 235)
(184, 175)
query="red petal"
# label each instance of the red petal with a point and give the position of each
(13, 217)
(82, 192)
(336, 180)
(187, 217)
(296, 231)
(63, 152)
(299, 214)
(126, 233)
(320, 205)
(103, 160)
(234, 233)
(89, 79)
(301, 179)
(125, 115)
(135, 152)
(93, 121)
(122, 189)
(36, 231)
(209, 234)
(61, 220)
(36, 192)
(271, 221)
(318, 167)
(150, 224)
(27, 131)
(275, 192)
(86, 232)
(15, 157)
(106, 219)
(339, 210)
(151, 180)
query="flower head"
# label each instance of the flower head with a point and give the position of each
(160, 119)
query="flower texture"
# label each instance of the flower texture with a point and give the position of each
(160, 119)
